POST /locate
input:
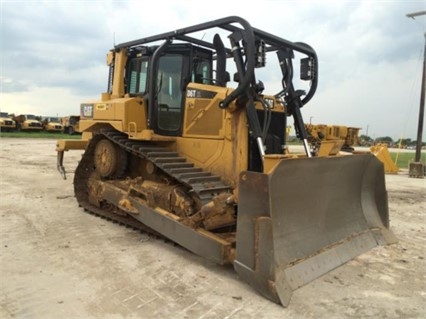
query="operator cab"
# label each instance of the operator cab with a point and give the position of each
(160, 76)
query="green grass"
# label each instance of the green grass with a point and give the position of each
(55, 136)
(402, 159)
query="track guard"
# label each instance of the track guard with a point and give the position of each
(307, 217)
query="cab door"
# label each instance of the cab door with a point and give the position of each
(169, 99)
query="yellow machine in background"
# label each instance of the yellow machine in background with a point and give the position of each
(329, 140)
(7, 124)
(28, 122)
(171, 149)
(52, 124)
(382, 153)
(71, 124)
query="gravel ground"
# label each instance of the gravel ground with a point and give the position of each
(58, 262)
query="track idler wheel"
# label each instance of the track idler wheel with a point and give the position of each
(109, 160)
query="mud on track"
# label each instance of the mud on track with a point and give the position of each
(58, 262)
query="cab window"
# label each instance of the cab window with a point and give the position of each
(201, 72)
(169, 92)
(137, 76)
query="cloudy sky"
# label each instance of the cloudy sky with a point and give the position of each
(370, 53)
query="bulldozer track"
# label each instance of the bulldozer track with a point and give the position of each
(204, 184)
(82, 173)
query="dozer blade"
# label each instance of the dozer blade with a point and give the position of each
(307, 217)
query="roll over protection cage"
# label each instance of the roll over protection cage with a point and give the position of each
(243, 41)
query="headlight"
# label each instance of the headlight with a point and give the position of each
(270, 103)
(86, 110)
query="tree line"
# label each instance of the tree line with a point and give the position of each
(366, 140)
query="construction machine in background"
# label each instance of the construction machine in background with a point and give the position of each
(330, 140)
(28, 122)
(71, 124)
(327, 139)
(382, 153)
(171, 148)
(7, 124)
(52, 124)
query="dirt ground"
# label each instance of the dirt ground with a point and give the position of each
(58, 262)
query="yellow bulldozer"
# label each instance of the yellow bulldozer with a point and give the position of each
(175, 150)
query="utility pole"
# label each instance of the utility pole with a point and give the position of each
(416, 168)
